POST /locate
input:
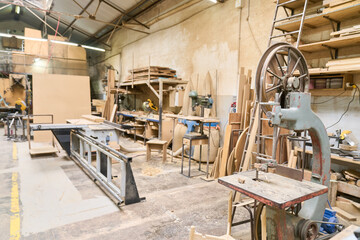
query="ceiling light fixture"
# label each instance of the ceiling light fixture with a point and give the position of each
(53, 41)
(214, 1)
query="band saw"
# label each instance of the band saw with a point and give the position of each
(294, 209)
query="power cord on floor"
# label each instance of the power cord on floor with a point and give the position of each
(348, 106)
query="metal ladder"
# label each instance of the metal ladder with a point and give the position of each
(260, 155)
(289, 17)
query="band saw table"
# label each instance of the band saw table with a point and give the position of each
(272, 189)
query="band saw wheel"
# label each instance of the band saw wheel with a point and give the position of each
(281, 69)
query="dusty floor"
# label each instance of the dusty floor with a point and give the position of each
(58, 201)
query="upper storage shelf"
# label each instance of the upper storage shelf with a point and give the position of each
(321, 19)
(332, 43)
(297, 3)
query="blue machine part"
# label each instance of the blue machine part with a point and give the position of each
(329, 216)
(190, 125)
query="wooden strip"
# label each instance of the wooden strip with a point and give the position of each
(93, 118)
(242, 82)
(344, 214)
(226, 149)
(112, 116)
(239, 148)
(251, 142)
(349, 189)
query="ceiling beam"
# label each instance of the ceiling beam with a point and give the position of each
(79, 30)
(81, 12)
(109, 32)
(124, 13)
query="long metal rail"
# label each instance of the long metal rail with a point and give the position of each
(82, 147)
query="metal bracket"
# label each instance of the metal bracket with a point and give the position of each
(332, 21)
(336, 51)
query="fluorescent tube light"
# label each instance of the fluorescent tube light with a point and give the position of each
(214, 1)
(93, 48)
(53, 41)
(65, 43)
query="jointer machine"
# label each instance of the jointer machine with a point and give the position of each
(294, 208)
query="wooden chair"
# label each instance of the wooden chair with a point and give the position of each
(156, 145)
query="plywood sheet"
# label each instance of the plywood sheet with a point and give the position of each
(35, 47)
(64, 96)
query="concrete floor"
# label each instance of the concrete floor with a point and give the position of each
(58, 201)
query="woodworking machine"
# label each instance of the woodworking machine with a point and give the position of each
(294, 209)
(202, 101)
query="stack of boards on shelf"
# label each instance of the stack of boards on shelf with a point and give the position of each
(344, 64)
(354, 30)
(229, 157)
(333, 5)
(152, 72)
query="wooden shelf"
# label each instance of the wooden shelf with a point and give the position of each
(154, 81)
(333, 43)
(316, 20)
(321, 71)
(297, 4)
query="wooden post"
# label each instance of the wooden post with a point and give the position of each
(332, 192)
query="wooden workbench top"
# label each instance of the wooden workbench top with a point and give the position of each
(193, 118)
(274, 190)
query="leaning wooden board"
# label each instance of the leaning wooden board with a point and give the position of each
(64, 96)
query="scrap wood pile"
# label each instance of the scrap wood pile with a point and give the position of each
(344, 195)
(152, 72)
(229, 157)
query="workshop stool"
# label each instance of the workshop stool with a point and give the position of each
(156, 145)
(193, 139)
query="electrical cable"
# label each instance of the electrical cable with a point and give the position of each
(330, 98)
(347, 108)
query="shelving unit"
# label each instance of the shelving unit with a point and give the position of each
(321, 19)
(160, 83)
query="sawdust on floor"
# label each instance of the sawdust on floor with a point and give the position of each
(151, 171)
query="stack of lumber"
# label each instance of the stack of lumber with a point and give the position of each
(332, 5)
(345, 64)
(152, 72)
(99, 104)
(354, 30)
(229, 157)
(344, 195)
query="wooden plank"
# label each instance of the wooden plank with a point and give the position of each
(332, 192)
(251, 141)
(43, 150)
(242, 82)
(64, 96)
(113, 112)
(246, 97)
(263, 224)
(93, 118)
(344, 214)
(239, 148)
(226, 149)
(352, 190)
(346, 233)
